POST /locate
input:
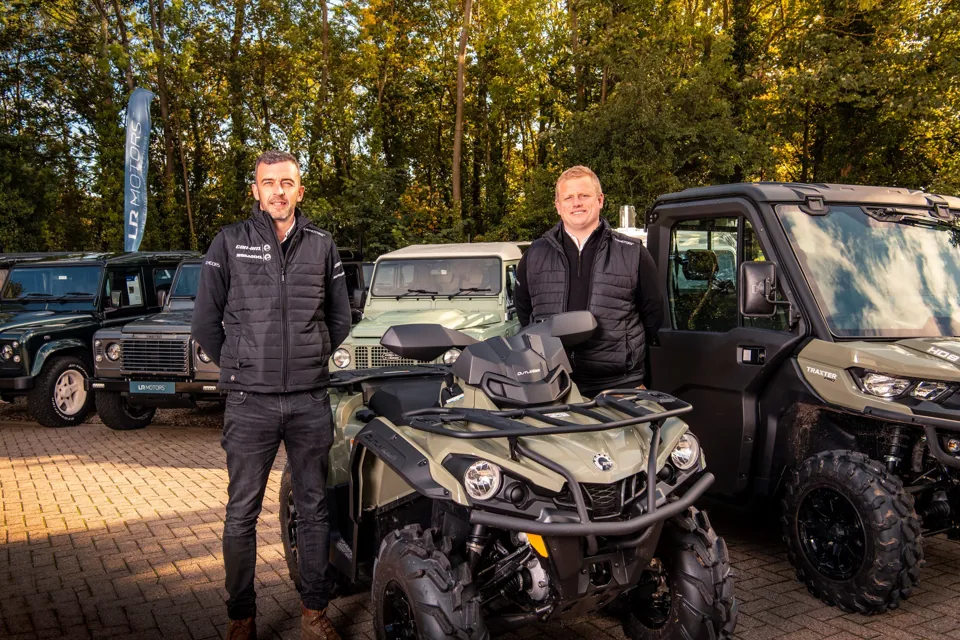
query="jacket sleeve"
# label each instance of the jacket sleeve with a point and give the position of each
(521, 295)
(207, 325)
(648, 298)
(337, 303)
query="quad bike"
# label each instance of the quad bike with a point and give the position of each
(486, 495)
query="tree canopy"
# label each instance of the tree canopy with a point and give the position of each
(372, 97)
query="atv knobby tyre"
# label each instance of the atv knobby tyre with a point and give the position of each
(444, 602)
(288, 525)
(697, 569)
(58, 399)
(117, 413)
(891, 542)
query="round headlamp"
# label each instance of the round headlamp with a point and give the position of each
(341, 358)
(113, 351)
(482, 480)
(686, 453)
(202, 354)
(6, 352)
(451, 356)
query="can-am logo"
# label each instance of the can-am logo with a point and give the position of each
(528, 372)
(946, 355)
(832, 377)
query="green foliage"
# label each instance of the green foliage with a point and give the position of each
(655, 96)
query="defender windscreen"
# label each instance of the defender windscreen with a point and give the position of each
(438, 277)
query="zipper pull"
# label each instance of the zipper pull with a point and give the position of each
(283, 274)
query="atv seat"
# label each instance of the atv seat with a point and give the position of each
(394, 399)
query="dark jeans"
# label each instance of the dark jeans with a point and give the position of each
(253, 427)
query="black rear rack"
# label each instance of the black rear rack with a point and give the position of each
(506, 424)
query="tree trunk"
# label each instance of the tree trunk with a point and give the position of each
(461, 72)
(238, 133)
(575, 50)
(125, 42)
(156, 28)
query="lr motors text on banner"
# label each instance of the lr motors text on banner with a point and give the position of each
(137, 155)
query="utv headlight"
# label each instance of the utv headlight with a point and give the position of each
(686, 453)
(883, 386)
(482, 480)
(202, 354)
(341, 358)
(451, 356)
(6, 352)
(113, 351)
(929, 390)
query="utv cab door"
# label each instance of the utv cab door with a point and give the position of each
(707, 353)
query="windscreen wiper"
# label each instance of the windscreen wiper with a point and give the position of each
(74, 295)
(464, 290)
(411, 292)
(34, 294)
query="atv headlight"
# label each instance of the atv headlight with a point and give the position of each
(202, 354)
(341, 358)
(113, 351)
(451, 356)
(685, 454)
(883, 386)
(482, 480)
(6, 352)
(929, 390)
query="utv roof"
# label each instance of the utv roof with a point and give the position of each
(503, 250)
(133, 258)
(796, 192)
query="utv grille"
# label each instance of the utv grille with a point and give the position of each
(372, 357)
(154, 356)
(604, 500)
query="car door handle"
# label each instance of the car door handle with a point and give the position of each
(752, 355)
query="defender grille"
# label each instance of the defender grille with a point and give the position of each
(372, 357)
(154, 356)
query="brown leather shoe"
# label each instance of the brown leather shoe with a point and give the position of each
(245, 629)
(315, 625)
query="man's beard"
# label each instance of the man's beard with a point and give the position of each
(283, 215)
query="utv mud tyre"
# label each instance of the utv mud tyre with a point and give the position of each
(288, 525)
(851, 532)
(691, 596)
(417, 593)
(59, 399)
(117, 413)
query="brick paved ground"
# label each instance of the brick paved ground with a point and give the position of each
(112, 534)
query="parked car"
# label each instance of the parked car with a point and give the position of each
(49, 311)
(814, 329)
(152, 362)
(7, 260)
(467, 287)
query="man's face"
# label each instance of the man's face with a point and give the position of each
(278, 189)
(579, 204)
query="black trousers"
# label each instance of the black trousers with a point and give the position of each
(254, 426)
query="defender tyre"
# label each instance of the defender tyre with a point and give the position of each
(118, 414)
(851, 532)
(418, 593)
(691, 597)
(59, 399)
(288, 525)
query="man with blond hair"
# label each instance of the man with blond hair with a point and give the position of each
(583, 264)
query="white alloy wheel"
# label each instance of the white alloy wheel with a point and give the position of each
(69, 394)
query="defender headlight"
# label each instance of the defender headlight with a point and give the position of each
(929, 390)
(451, 356)
(685, 454)
(883, 386)
(6, 352)
(341, 358)
(482, 480)
(113, 351)
(202, 354)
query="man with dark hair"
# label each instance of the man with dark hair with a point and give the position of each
(583, 264)
(271, 307)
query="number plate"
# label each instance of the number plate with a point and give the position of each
(153, 387)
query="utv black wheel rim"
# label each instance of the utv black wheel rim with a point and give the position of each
(292, 524)
(831, 534)
(398, 620)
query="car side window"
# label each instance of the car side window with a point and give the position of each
(123, 289)
(702, 275)
(511, 283)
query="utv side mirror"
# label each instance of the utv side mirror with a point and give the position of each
(758, 286)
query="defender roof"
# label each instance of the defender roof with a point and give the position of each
(103, 258)
(502, 250)
(799, 193)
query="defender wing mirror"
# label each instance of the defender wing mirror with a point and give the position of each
(758, 292)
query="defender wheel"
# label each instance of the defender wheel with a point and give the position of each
(689, 592)
(59, 399)
(288, 525)
(851, 532)
(118, 414)
(417, 593)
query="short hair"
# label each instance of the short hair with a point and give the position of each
(274, 157)
(573, 173)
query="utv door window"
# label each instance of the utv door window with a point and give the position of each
(753, 252)
(702, 280)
